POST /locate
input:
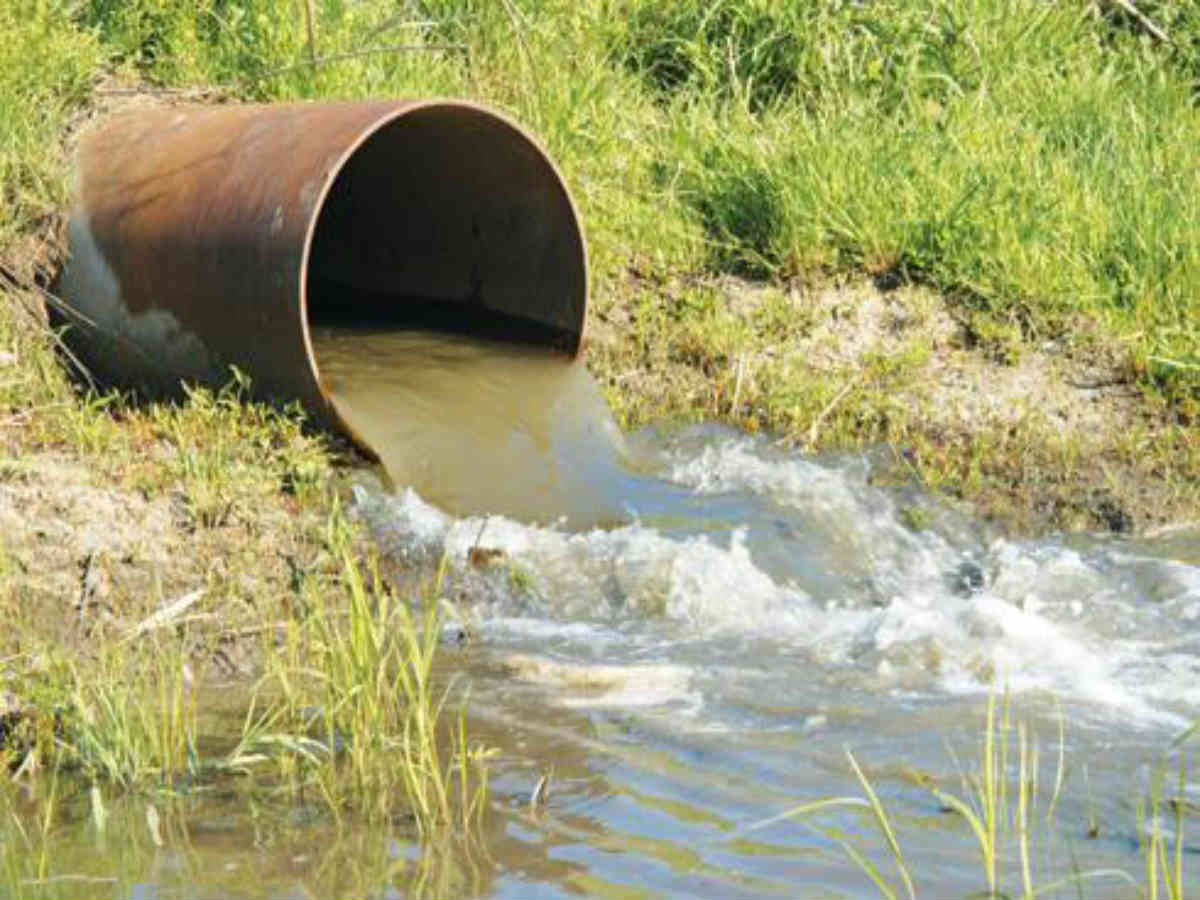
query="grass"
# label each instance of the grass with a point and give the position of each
(363, 681)
(1009, 809)
(1006, 808)
(1163, 872)
(346, 714)
(346, 701)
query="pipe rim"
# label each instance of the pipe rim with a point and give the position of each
(405, 108)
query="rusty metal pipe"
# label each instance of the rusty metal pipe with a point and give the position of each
(208, 237)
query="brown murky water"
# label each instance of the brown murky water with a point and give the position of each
(477, 426)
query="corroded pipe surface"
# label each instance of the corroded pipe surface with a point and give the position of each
(208, 237)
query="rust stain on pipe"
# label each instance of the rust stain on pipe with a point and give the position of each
(205, 237)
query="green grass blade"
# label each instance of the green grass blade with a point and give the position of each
(885, 825)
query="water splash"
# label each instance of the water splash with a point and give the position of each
(477, 425)
(716, 544)
(812, 566)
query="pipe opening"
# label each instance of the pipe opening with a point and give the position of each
(445, 291)
(414, 273)
(449, 218)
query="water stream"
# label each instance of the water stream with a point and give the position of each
(689, 628)
(684, 632)
(477, 425)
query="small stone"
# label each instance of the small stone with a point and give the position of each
(967, 579)
(455, 634)
(483, 557)
(7, 358)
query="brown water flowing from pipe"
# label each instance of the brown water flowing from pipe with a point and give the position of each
(481, 426)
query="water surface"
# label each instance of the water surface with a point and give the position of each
(685, 631)
(478, 425)
(746, 613)
(692, 674)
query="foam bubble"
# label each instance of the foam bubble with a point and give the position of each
(811, 563)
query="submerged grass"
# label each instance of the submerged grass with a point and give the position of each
(355, 685)
(54, 844)
(1001, 803)
(1010, 811)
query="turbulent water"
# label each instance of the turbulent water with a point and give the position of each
(477, 425)
(699, 664)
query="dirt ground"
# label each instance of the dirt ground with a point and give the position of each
(1037, 435)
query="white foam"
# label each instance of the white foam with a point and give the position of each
(595, 686)
(1041, 617)
(859, 528)
(636, 571)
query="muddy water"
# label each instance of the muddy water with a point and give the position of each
(685, 631)
(479, 426)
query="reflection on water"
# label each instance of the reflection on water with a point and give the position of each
(223, 842)
(479, 426)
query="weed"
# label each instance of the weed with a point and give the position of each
(885, 825)
(351, 707)
(736, 51)
(915, 518)
(1001, 812)
(741, 206)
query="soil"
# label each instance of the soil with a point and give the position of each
(1053, 423)
(95, 558)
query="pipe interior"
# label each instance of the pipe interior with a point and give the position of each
(449, 218)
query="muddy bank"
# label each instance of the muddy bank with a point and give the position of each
(1037, 435)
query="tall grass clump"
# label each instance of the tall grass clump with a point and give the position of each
(125, 716)
(1161, 826)
(349, 706)
(1016, 154)
(749, 52)
(743, 211)
(134, 721)
(1009, 809)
